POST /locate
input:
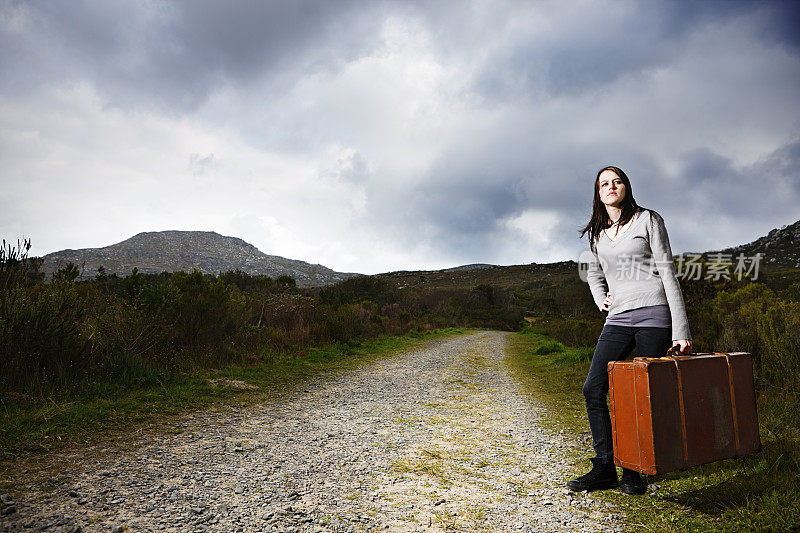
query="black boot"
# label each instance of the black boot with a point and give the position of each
(602, 476)
(632, 482)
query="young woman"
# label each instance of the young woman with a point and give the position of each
(632, 276)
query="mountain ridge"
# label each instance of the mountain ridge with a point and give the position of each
(212, 253)
(175, 250)
(779, 248)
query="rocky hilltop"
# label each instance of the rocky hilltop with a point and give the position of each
(207, 251)
(779, 248)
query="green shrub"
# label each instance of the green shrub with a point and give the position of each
(66, 274)
(41, 346)
(575, 355)
(286, 281)
(16, 268)
(548, 348)
(574, 331)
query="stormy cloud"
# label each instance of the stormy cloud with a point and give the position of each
(375, 136)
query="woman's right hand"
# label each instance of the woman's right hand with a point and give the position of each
(607, 302)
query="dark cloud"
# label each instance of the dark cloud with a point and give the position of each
(173, 54)
(766, 189)
(256, 36)
(464, 202)
(463, 206)
(702, 165)
(779, 168)
(170, 55)
(714, 203)
(600, 45)
(775, 21)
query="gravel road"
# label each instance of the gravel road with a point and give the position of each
(439, 438)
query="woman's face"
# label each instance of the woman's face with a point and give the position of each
(611, 188)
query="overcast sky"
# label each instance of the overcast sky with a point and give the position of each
(372, 136)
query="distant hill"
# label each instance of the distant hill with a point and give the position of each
(779, 248)
(207, 251)
(474, 266)
(512, 276)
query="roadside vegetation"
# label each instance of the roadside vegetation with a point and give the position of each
(81, 357)
(107, 410)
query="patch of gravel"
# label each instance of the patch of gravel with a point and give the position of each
(432, 439)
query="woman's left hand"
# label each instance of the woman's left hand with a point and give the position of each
(684, 346)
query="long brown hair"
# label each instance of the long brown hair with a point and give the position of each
(600, 219)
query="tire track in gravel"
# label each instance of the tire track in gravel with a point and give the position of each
(434, 439)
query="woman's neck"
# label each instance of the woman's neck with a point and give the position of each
(614, 212)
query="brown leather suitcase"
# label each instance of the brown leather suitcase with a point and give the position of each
(672, 413)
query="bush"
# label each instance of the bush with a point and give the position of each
(575, 355)
(755, 320)
(16, 268)
(40, 344)
(286, 281)
(548, 348)
(66, 274)
(573, 331)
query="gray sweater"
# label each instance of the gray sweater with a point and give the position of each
(637, 269)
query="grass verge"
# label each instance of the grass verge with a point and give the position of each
(760, 492)
(104, 411)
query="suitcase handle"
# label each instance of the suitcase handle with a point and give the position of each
(671, 354)
(672, 351)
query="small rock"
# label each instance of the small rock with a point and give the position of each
(11, 509)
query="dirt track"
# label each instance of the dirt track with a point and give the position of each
(432, 439)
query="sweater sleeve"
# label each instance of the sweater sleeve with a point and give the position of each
(597, 280)
(662, 256)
